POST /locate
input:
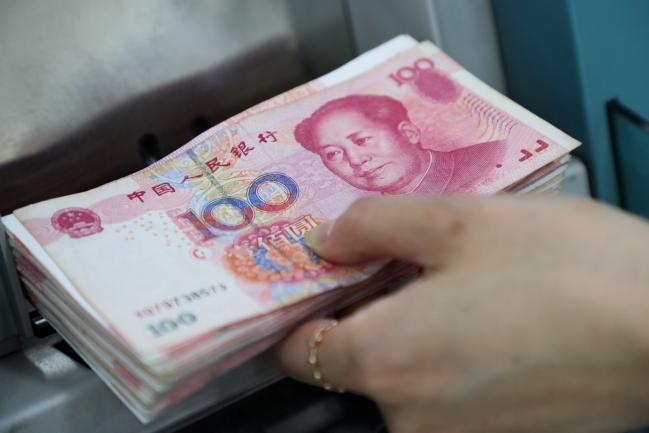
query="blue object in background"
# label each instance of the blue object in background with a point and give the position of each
(630, 141)
(566, 59)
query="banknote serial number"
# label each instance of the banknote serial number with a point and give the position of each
(166, 326)
(181, 300)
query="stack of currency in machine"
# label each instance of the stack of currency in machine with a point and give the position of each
(169, 277)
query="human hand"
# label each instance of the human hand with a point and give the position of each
(531, 315)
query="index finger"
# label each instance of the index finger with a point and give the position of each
(414, 229)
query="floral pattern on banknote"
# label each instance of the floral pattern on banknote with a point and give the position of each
(276, 253)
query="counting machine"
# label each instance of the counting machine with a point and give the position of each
(92, 91)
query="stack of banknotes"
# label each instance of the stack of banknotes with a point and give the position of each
(171, 276)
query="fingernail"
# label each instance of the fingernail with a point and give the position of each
(319, 235)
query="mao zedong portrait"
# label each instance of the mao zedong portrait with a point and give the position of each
(370, 142)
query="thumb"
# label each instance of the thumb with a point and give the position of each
(413, 229)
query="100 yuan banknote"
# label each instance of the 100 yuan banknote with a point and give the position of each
(232, 211)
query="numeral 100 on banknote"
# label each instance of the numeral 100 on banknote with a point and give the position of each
(407, 73)
(168, 325)
(208, 219)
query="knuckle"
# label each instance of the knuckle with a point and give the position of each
(354, 216)
(449, 219)
(359, 208)
(384, 375)
(378, 372)
(587, 204)
(353, 359)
